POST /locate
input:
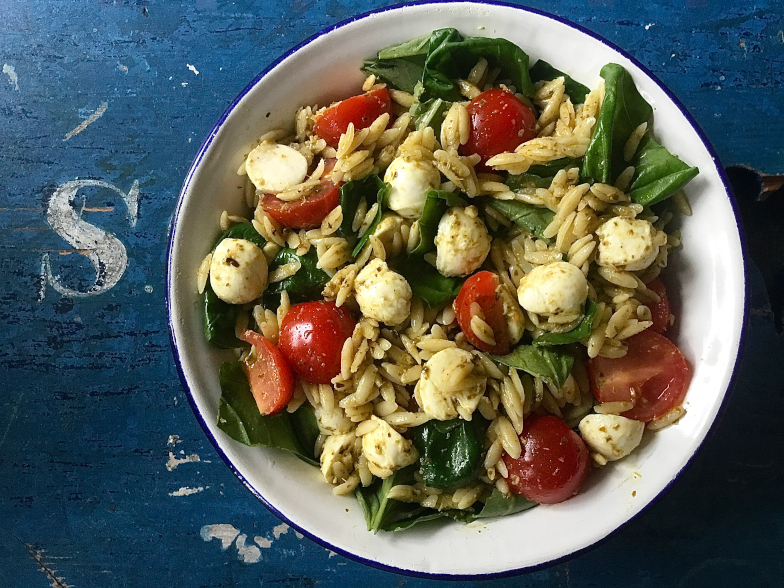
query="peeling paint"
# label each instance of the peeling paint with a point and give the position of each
(37, 556)
(248, 553)
(90, 119)
(174, 461)
(280, 529)
(225, 532)
(185, 491)
(10, 71)
(192, 68)
(263, 542)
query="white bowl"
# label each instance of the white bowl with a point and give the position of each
(706, 279)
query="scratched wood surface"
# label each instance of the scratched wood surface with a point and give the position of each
(106, 479)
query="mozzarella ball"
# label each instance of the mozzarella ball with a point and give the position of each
(611, 435)
(238, 272)
(386, 450)
(448, 386)
(337, 449)
(382, 294)
(387, 229)
(273, 168)
(410, 180)
(462, 242)
(555, 288)
(627, 244)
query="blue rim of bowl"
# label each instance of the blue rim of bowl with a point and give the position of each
(324, 543)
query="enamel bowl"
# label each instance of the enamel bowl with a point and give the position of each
(706, 279)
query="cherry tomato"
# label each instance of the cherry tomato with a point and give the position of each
(308, 211)
(499, 123)
(312, 336)
(653, 373)
(269, 374)
(361, 110)
(482, 289)
(660, 311)
(553, 464)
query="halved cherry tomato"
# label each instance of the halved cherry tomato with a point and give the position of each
(499, 123)
(482, 289)
(361, 110)
(653, 373)
(269, 374)
(660, 311)
(553, 464)
(312, 335)
(308, 211)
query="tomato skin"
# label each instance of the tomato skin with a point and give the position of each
(308, 211)
(270, 376)
(660, 311)
(499, 123)
(553, 464)
(653, 371)
(312, 336)
(482, 288)
(361, 110)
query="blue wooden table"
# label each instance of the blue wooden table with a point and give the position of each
(106, 478)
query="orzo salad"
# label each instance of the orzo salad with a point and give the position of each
(446, 292)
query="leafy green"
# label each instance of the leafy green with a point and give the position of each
(306, 284)
(220, 317)
(498, 505)
(411, 48)
(623, 110)
(427, 283)
(219, 320)
(240, 419)
(430, 113)
(551, 364)
(436, 204)
(541, 175)
(382, 197)
(450, 452)
(542, 71)
(658, 173)
(531, 217)
(580, 332)
(351, 193)
(402, 74)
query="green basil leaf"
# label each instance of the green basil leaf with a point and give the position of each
(498, 505)
(219, 320)
(450, 452)
(403, 74)
(658, 173)
(307, 284)
(382, 197)
(551, 364)
(451, 56)
(623, 110)
(427, 283)
(580, 332)
(406, 49)
(542, 71)
(534, 218)
(240, 419)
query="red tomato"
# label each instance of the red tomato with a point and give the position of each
(308, 211)
(312, 336)
(653, 373)
(660, 311)
(361, 110)
(499, 123)
(554, 462)
(269, 374)
(482, 289)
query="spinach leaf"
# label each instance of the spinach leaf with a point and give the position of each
(534, 218)
(498, 505)
(407, 49)
(551, 168)
(450, 452)
(427, 283)
(219, 316)
(658, 173)
(541, 175)
(622, 111)
(402, 74)
(580, 332)
(542, 71)
(430, 113)
(351, 193)
(219, 320)
(382, 197)
(306, 284)
(436, 204)
(451, 56)
(240, 419)
(551, 364)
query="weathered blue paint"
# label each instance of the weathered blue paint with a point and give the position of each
(90, 398)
